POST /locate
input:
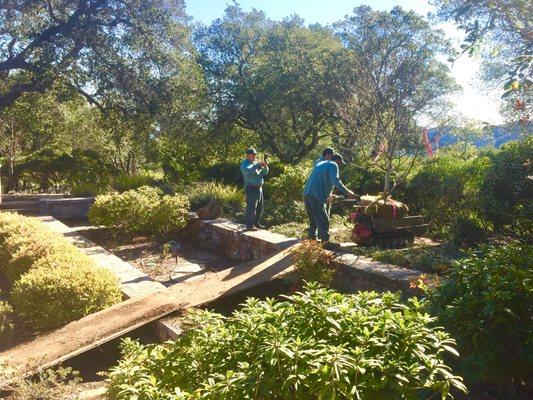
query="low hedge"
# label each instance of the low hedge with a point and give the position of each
(62, 290)
(53, 283)
(143, 210)
(23, 241)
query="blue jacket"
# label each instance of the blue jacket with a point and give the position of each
(324, 176)
(253, 173)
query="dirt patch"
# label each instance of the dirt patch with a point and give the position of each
(163, 263)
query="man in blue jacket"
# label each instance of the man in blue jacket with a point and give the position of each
(253, 173)
(324, 176)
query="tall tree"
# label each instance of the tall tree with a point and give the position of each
(99, 47)
(502, 32)
(278, 79)
(397, 80)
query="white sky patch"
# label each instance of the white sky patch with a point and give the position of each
(477, 101)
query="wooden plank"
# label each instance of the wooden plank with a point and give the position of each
(101, 327)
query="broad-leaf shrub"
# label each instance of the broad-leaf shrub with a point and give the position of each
(319, 344)
(229, 197)
(63, 290)
(144, 210)
(486, 303)
(313, 263)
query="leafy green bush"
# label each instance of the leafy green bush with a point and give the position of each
(486, 303)
(124, 182)
(23, 241)
(86, 189)
(446, 190)
(363, 180)
(313, 263)
(506, 191)
(144, 210)
(288, 187)
(170, 215)
(6, 323)
(318, 344)
(229, 197)
(63, 289)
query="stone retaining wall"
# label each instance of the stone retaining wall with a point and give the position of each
(354, 273)
(73, 207)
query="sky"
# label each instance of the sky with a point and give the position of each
(475, 102)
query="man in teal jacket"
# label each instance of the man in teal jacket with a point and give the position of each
(253, 173)
(324, 176)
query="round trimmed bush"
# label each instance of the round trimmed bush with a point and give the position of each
(63, 289)
(170, 215)
(25, 240)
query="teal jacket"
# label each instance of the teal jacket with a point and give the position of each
(324, 176)
(253, 173)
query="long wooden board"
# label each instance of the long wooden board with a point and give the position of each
(101, 327)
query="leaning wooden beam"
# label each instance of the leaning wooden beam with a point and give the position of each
(120, 319)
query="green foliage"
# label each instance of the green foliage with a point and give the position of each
(287, 187)
(506, 190)
(229, 197)
(124, 182)
(170, 215)
(486, 303)
(24, 241)
(86, 190)
(362, 180)
(144, 210)
(313, 263)
(427, 259)
(318, 344)
(447, 190)
(6, 323)
(54, 283)
(63, 289)
(128, 211)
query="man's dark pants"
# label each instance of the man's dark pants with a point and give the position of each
(318, 219)
(254, 205)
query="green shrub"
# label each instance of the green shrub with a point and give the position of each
(60, 292)
(6, 323)
(25, 240)
(129, 211)
(144, 210)
(170, 215)
(486, 303)
(506, 191)
(288, 187)
(313, 263)
(446, 190)
(318, 344)
(229, 197)
(124, 182)
(86, 189)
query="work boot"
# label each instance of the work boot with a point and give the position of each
(251, 228)
(331, 246)
(259, 226)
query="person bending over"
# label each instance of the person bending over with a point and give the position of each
(323, 178)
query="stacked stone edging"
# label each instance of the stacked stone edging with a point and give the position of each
(353, 272)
